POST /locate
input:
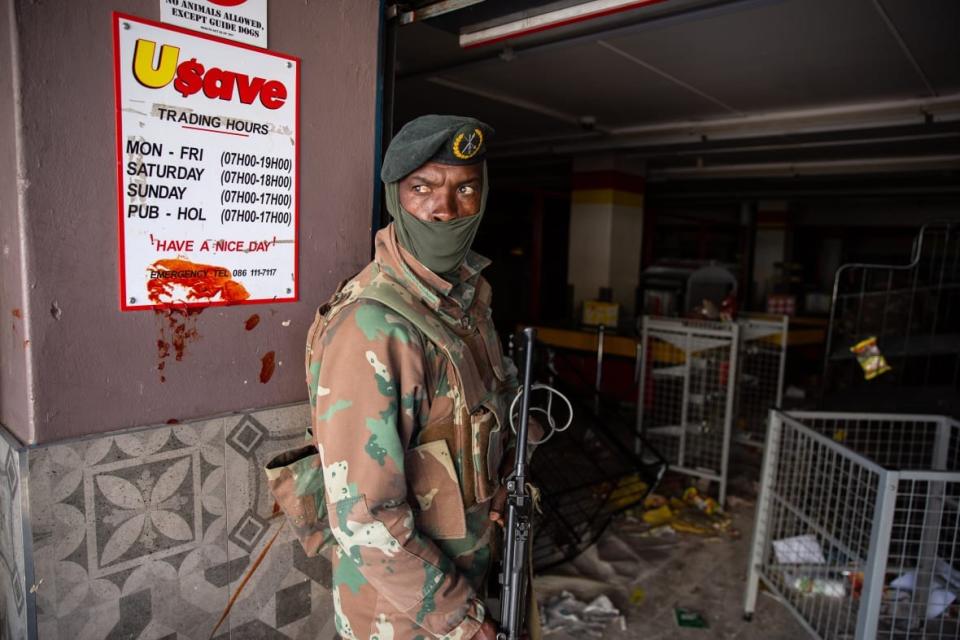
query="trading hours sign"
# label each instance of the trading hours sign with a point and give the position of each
(207, 166)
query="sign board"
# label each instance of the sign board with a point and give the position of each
(207, 168)
(243, 20)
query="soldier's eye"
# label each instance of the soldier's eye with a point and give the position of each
(467, 190)
(420, 188)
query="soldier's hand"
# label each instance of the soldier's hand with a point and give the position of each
(499, 500)
(535, 430)
(487, 631)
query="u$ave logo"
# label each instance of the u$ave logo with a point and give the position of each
(191, 77)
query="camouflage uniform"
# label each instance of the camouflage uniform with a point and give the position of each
(407, 418)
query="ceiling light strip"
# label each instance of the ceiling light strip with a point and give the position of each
(823, 167)
(942, 107)
(432, 10)
(550, 20)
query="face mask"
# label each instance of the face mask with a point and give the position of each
(439, 246)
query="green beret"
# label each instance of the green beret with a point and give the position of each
(433, 138)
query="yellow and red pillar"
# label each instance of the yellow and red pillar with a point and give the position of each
(606, 231)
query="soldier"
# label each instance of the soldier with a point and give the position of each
(410, 390)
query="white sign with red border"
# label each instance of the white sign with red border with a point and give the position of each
(243, 20)
(207, 168)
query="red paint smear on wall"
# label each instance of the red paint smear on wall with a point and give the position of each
(252, 322)
(16, 313)
(267, 365)
(179, 325)
(207, 282)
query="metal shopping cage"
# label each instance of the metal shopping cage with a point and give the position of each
(701, 381)
(687, 393)
(761, 365)
(912, 310)
(858, 524)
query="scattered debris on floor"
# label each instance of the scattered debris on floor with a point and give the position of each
(616, 578)
(691, 513)
(689, 619)
(902, 593)
(815, 586)
(565, 613)
(899, 601)
(798, 550)
(678, 549)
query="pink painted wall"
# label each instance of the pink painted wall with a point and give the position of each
(14, 388)
(90, 368)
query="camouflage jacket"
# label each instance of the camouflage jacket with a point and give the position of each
(407, 417)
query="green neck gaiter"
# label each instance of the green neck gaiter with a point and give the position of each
(439, 246)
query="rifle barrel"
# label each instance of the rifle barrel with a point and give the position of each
(517, 530)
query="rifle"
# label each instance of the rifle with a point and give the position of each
(516, 534)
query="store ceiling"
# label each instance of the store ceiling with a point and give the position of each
(692, 85)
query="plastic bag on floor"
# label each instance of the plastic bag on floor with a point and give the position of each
(940, 598)
(564, 613)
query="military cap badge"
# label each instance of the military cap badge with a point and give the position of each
(467, 143)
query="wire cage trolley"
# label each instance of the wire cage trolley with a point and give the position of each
(912, 310)
(699, 379)
(761, 365)
(687, 394)
(858, 524)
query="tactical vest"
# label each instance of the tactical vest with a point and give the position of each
(476, 437)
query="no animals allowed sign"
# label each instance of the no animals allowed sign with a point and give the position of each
(243, 20)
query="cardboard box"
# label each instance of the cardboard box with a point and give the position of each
(596, 313)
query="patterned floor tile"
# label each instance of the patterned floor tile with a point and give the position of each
(281, 595)
(249, 531)
(186, 604)
(317, 568)
(135, 614)
(251, 442)
(256, 630)
(14, 595)
(143, 510)
(293, 603)
(224, 573)
(146, 534)
(122, 523)
(319, 623)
